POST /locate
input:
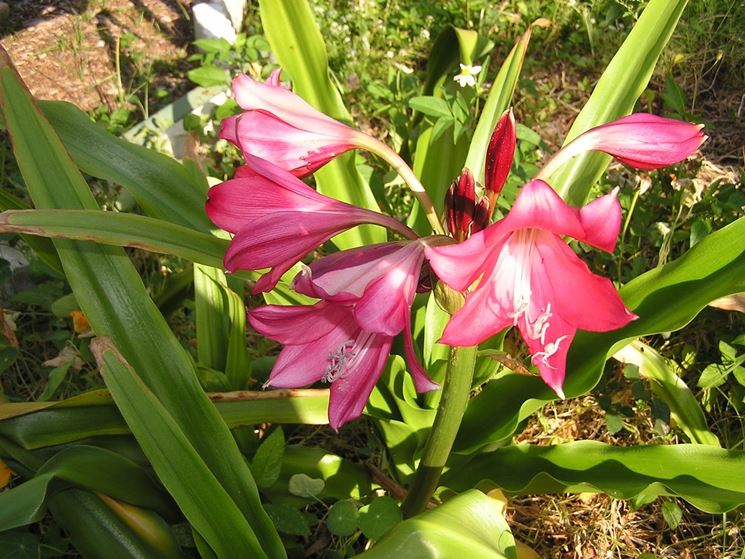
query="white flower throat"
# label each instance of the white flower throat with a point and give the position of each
(343, 361)
(516, 263)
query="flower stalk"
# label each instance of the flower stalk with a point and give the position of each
(456, 389)
(377, 147)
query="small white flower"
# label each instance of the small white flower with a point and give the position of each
(389, 54)
(424, 34)
(467, 76)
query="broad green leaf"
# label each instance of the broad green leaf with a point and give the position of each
(118, 229)
(288, 520)
(342, 518)
(199, 495)
(39, 424)
(672, 514)
(665, 299)
(209, 75)
(432, 106)
(101, 528)
(19, 545)
(468, 525)
(709, 478)
(499, 99)
(616, 93)
(117, 304)
(302, 485)
(267, 462)
(162, 186)
(670, 388)
(298, 45)
(379, 517)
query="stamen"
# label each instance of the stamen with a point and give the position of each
(549, 350)
(337, 367)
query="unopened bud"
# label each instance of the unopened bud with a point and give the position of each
(499, 156)
(460, 202)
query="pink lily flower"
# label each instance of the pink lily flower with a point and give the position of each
(528, 277)
(323, 342)
(640, 140)
(381, 281)
(277, 219)
(281, 127)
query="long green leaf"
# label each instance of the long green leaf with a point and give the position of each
(665, 299)
(469, 525)
(117, 304)
(87, 467)
(616, 93)
(709, 478)
(670, 388)
(100, 530)
(163, 187)
(42, 424)
(298, 44)
(118, 229)
(499, 99)
(211, 316)
(199, 495)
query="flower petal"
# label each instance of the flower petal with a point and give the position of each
(422, 382)
(478, 319)
(350, 393)
(601, 220)
(301, 324)
(291, 108)
(539, 207)
(581, 298)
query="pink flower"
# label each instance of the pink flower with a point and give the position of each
(528, 277)
(323, 342)
(277, 219)
(279, 126)
(381, 280)
(641, 140)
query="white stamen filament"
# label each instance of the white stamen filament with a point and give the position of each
(344, 359)
(520, 253)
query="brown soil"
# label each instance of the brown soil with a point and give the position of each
(67, 49)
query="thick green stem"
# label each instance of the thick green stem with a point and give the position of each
(453, 402)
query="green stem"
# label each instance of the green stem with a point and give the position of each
(455, 392)
(399, 165)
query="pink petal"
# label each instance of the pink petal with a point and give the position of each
(581, 298)
(343, 276)
(300, 324)
(601, 220)
(478, 319)
(538, 207)
(422, 382)
(646, 141)
(253, 95)
(552, 361)
(459, 265)
(298, 366)
(266, 136)
(350, 393)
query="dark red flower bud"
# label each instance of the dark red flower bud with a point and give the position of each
(460, 202)
(499, 156)
(481, 215)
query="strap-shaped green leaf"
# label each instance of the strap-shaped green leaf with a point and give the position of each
(162, 186)
(469, 525)
(198, 493)
(499, 99)
(709, 478)
(616, 93)
(670, 388)
(93, 414)
(101, 528)
(116, 303)
(118, 229)
(665, 299)
(298, 44)
(87, 467)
